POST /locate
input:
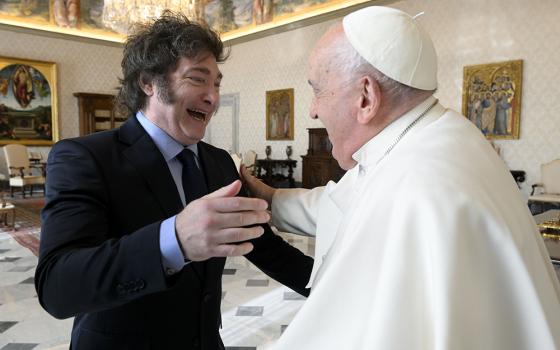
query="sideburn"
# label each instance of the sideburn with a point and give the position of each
(164, 91)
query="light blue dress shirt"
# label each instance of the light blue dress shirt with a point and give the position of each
(172, 256)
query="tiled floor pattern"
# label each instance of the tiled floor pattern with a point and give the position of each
(255, 309)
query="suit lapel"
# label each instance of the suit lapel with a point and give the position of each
(150, 164)
(213, 172)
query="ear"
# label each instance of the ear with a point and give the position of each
(146, 84)
(370, 99)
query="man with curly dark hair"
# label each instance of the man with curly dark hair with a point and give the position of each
(138, 220)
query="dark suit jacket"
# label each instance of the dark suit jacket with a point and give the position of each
(100, 260)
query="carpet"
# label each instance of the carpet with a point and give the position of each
(28, 223)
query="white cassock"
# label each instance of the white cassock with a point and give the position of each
(429, 247)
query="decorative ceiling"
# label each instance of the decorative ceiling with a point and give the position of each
(111, 19)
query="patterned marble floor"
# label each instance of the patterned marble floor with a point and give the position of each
(255, 309)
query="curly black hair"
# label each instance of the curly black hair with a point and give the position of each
(154, 48)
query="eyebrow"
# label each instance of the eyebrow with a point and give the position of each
(204, 71)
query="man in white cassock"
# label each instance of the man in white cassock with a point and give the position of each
(426, 242)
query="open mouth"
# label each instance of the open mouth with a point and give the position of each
(197, 114)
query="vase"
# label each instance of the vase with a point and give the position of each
(289, 151)
(268, 151)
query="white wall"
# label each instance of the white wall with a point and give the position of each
(465, 32)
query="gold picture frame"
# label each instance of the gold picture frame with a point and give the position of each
(492, 98)
(28, 102)
(280, 114)
(246, 20)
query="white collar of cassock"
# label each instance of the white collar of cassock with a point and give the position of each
(374, 150)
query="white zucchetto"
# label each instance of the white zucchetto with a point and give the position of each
(395, 44)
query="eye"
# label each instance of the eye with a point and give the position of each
(197, 80)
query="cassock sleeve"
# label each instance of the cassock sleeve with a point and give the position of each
(295, 210)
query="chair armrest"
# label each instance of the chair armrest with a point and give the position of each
(20, 168)
(38, 166)
(535, 186)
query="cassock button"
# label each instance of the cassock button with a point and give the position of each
(362, 170)
(207, 298)
(170, 272)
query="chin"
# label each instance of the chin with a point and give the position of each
(343, 162)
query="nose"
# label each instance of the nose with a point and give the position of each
(212, 97)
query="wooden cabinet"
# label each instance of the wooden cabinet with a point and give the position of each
(319, 167)
(97, 113)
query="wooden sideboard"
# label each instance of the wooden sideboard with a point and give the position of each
(319, 167)
(97, 113)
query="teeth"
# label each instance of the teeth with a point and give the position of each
(197, 114)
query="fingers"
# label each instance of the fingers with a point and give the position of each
(234, 204)
(233, 249)
(227, 191)
(217, 225)
(240, 219)
(236, 235)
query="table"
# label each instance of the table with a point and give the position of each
(274, 171)
(5, 209)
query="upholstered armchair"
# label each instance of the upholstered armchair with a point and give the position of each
(20, 171)
(249, 160)
(547, 192)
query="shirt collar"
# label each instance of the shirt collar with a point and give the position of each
(373, 150)
(167, 145)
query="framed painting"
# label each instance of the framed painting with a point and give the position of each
(280, 114)
(28, 104)
(492, 98)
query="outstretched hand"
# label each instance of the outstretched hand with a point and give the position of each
(213, 225)
(256, 187)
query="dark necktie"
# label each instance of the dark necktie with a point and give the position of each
(194, 184)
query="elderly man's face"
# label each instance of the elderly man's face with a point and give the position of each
(332, 101)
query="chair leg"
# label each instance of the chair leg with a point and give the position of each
(23, 191)
(31, 190)
(12, 191)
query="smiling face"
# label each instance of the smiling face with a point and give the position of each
(333, 101)
(184, 105)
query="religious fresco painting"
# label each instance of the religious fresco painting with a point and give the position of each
(28, 113)
(111, 20)
(280, 114)
(26, 10)
(492, 98)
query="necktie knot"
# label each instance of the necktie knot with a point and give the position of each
(186, 157)
(194, 185)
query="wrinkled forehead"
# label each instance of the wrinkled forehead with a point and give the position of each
(319, 59)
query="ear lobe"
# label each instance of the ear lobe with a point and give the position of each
(370, 100)
(146, 85)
